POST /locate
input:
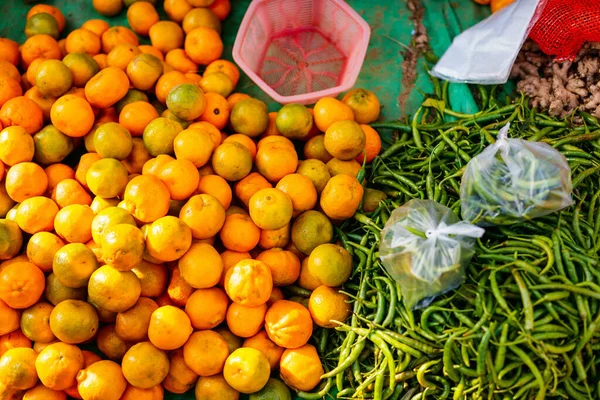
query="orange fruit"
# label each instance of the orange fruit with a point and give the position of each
(276, 160)
(10, 88)
(232, 161)
(167, 82)
(262, 343)
(132, 96)
(307, 280)
(72, 115)
(118, 35)
(330, 264)
(226, 67)
(145, 366)
(245, 321)
(194, 145)
(329, 110)
(22, 112)
(58, 364)
(249, 283)
(301, 368)
(153, 278)
(17, 368)
(21, 284)
(372, 144)
(101, 380)
(40, 46)
(327, 305)
(85, 162)
(166, 36)
(178, 59)
(239, 233)
(270, 208)
(364, 104)
(113, 290)
(108, 8)
(316, 171)
(274, 238)
(180, 378)
(56, 292)
(300, 190)
(73, 223)
(169, 328)
(144, 70)
(141, 15)
(216, 111)
(120, 56)
(216, 82)
(186, 101)
(16, 146)
(371, 199)
(9, 51)
(247, 370)
(203, 45)
(13, 340)
(284, 265)
(178, 290)
(181, 178)
(207, 307)
(107, 87)
(250, 185)
(41, 392)
(288, 324)
(201, 17)
(109, 217)
(122, 246)
(146, 198)
(41, 249)
(134, 163)
(177, 9)
(212, 387)
(147, 49)
(35, 322)
(36, 214)
(244, 140)
(168, 239)
(9, 318)
(42, 23)
(205, 352)
(272, 128)
(51, 145)
(136, 116)
(44, 102)
(337, 167)
(221, 8)
(344, 140)
(132, 324)
(314, 148)
(201, 266)
(133, 393)
(159, 136)
(152, 166)
(83, 41)
(250, 117)
(235, 98)
(294, 121)
(57, 173)
(98, 26)
(53, 78)
(230, 258)
(341, 197)
(74, 321)
(48, 9)
(233, 342)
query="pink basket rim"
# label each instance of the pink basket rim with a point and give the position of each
(306, 98)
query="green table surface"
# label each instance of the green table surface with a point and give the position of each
(391, 34)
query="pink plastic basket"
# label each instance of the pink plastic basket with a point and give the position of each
(298, 51)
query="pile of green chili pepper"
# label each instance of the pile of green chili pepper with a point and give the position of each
(525, 324)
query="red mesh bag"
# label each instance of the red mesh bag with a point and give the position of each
(565, 25)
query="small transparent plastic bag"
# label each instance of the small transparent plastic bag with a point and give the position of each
(514, 180)
(425, 248)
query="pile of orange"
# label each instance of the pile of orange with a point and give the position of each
(154, 212)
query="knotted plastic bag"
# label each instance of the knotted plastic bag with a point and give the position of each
(425, 248)
(514, 180)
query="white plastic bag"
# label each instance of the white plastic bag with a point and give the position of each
(514, 180)
(486, 52)
(425, 248)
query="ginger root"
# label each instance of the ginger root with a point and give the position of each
(559, 87)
